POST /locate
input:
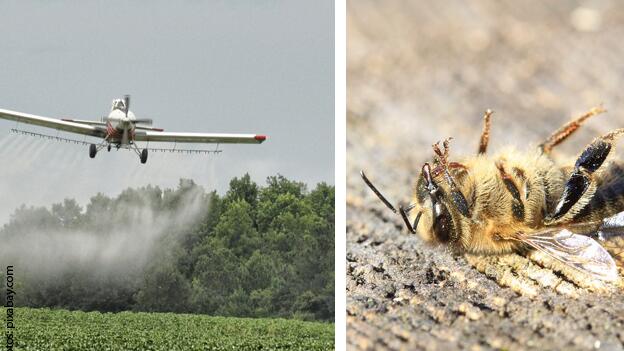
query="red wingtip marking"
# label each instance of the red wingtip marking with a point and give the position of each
(260, 138)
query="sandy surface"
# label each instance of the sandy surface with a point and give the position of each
(420, 72)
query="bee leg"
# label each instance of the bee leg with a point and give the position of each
(457, 165)
(442, 157)
(568, 129)
(485, 134)
(580, 187)
(458, 200)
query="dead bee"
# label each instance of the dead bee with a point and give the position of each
(514, 201)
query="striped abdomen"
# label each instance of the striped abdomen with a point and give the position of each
(609, 197)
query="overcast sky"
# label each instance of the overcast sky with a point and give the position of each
(264, 67)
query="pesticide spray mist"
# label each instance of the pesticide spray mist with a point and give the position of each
(110, 243)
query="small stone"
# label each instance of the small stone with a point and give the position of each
(470, 311)
(584, 19)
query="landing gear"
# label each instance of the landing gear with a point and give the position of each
(144, 156)
(95, 148)
(92, 150)
(142, 153)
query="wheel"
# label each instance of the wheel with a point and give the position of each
(92, 150)
(144, 156)
(109, 147)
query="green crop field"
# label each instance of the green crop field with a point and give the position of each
(45, 329)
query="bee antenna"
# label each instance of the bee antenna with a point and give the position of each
(404, 212)
(379, 195)
(406, 220)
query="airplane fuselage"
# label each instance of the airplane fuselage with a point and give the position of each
(120, 127)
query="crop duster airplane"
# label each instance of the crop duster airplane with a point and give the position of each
(122, 129)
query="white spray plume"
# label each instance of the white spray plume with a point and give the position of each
(126, 244)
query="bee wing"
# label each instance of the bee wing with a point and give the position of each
(612, 226)
(575, 250)
(612, 233)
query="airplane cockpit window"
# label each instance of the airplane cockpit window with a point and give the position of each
(118, 104)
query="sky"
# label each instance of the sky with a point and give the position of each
(261, 67)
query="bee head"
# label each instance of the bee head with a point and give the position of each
(439, 203)
(436, 207)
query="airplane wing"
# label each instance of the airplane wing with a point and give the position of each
(103, 124)
(84, 121)
(54, 123)
(199, 137)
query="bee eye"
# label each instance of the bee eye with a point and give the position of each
(421, 191)
(442, 223)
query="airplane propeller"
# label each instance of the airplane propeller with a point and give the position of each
(126, 110)
(124, 136)
(147, 121)
(126, 100)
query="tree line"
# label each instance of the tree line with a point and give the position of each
(256, 251)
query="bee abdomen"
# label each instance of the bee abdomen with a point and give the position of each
(517, 206)
(609, 197)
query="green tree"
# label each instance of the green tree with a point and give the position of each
(236, 228)
(68, 213)
(322, 200)
(258, 271)
(27, 219)
(257, 251)
(243, 189)
(216, 276)
(164, 289)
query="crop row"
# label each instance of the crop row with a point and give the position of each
(45, 329)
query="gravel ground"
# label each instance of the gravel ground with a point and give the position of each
(419, 72)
